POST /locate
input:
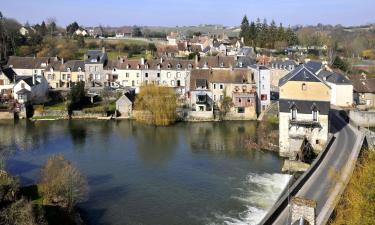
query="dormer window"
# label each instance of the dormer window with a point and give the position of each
(68, 69)
(205, 65)
(293, 111)
(79, 69)
(128, 66)
(190, 66)
(114, 69)
(178, 66)
(138, 66)
(169, 66)
(240, 64)
(146, 66)
(221, 64)
(159, 66)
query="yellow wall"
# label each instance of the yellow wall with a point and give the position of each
(314, 91)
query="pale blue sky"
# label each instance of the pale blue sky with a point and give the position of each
(190, 12)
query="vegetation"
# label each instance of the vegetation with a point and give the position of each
(77, 97)
(62, 183)
(157, 105)
(262, 35)
(225, 104)
(22, 212)
(357, 205)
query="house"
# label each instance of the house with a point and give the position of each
(7, 80)
(30, 89)
(95, 61)
(341, 87)
(216, 62)
(262, 77)
(280, 68)
(304, 107)
(81, 32)
(25, 66)
(124, 106)
(200, 96)
(364, 91)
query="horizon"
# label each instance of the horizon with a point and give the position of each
(141, 13)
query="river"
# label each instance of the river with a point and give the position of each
(189, 173)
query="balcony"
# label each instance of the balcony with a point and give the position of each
(304, 123)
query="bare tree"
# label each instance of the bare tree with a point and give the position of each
(21, 213)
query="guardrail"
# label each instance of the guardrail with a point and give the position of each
(283, 202)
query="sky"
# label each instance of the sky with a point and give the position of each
(190, 12)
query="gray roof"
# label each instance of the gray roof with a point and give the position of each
(333, 77)
(23, 91)
(95, 56)
(301, 73)
(246, 51)
(246, 61)
(304, 106)
(27, 79)
(284, 62)
(73, 65)
(314, 66)
(9, 73)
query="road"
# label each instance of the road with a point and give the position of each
(324, 180)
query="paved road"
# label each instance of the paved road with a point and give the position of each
(320, 184)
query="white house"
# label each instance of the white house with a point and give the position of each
(262, 77)
(30, 89)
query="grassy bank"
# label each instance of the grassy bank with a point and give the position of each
(357, 205)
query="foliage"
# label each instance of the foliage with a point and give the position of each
(77, 96)
(158, 103)
(71, 28)
(137, 32)
(63, 184)
(9, 187)
(262, 35)
(10, 37)
(22, 212)
(225, 104)
(357, 205)
(341, 64)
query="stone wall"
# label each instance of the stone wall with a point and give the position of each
(303, 209)
(363, 118)
(51, 113)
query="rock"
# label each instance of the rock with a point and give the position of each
(294, 166)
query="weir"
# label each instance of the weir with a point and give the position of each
(339, 155)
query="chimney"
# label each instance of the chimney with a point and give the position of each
(142, 61)
(103, 49)
(196, 60)
(33, 79)
(161, 60)
(62, 60)
(242, 40)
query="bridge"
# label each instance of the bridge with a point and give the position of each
(327, 176)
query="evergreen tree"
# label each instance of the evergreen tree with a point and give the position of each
(281, 33)
(272, 34)
(253, 34)
(245, 30)
(71, 28)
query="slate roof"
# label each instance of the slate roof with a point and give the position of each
(286, 63)
(23, 91)
(217, 61)
(314, 66)
(246, 51)
(9, 73)
(304, 106)
(29, 62)
(28, 80)
(301, 73)
(363, 85)
(245, 61)
(334, 77)
(95, 56)
(166, 63)
(73, 65)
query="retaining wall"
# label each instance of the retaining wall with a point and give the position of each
(363, 118)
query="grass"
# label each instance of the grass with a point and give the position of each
(57, 106)
(47, 117)
(357, 205)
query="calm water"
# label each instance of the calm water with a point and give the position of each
(197, 173)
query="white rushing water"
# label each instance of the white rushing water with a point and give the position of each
(258, 193)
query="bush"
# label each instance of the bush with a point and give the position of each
(9, 187)
(22, 212)
(62, 183)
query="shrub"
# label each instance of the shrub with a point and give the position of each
(22, 212)
(9, 187)
(62, 183)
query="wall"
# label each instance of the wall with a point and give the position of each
(341, 95)
(276, 75)
(6, 116)
(363, 118)
(314, 91)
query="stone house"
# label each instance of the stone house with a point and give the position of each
(124, 107)
(7, 81)
(95, 61)
(53, 74)
(364, 91)
(304, 107)
(280, 68)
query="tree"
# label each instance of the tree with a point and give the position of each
(80, 41)
(77, 96)
(137, 32)
(71, 28)
(253, 33)
(156, 105)
(245, 29)
(225, 104)
(51, 22)
(341, 64)
(151, 47)
(62, 183)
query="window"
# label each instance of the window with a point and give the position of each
(172, 83)
(127, 75)
(221, 86)
(214, 86)
(63, 77)
(158, 74)
(178, 75)
(315, 115)
(137, 74)
(262, 77)
(146, 74)
(239, 100)
(201, 108)
(240, 110)
(221, 97)
(304, 87)
(263, 97)
(214, 97)
(22, 85)
(294, 113)
(263, 86)
(168, 74)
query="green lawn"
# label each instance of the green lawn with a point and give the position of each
(58, 106)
